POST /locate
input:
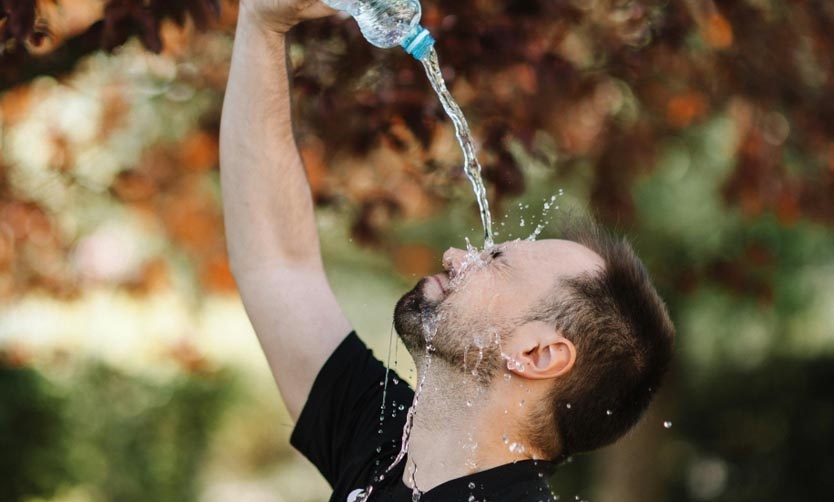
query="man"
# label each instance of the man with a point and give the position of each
(527, 352)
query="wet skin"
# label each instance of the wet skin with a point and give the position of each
(483, 297)
(500, 285)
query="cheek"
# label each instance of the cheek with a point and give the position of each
(476, 311)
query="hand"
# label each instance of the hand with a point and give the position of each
(281, 15)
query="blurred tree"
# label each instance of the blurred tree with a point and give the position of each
(148, 441)
(761, 434)
(702, 128)
(119, 437)
(605, 83)
(34, 442)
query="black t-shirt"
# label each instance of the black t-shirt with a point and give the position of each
(347, 433)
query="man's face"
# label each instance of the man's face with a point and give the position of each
(464, 313)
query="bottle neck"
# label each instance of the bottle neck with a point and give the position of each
(418, 42)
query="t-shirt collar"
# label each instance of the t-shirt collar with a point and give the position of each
(489, 484)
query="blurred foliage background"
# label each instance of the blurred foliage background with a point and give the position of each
(704, 129)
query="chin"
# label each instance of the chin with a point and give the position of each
(415, 318)
(418, 319)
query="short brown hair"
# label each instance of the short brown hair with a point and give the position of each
(623, 338)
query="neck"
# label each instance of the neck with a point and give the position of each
(461, 427)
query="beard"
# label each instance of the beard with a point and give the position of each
(415, 319)
(425, 325)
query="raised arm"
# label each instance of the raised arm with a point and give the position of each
(268, 210)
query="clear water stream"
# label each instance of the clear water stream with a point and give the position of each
(471, 166)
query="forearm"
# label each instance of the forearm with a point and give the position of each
(268, 207)
(270, 226)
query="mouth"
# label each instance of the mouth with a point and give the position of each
(439, 284)
(442, 282)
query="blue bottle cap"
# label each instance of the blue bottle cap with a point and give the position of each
(418, 42)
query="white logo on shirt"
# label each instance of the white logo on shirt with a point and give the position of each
(355, 495)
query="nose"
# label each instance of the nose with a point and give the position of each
(452, 259)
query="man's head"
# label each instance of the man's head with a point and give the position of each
(578, 315)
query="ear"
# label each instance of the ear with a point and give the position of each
(540, 352)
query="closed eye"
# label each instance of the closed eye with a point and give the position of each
(494, 255)
(498, 261)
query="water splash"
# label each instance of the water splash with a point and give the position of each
(473, 259)
(387, 371)
(366, 494)
(429, 330)
(393, 342)
(471, 166)
(415, 493)
(547, 206)
(480, 345)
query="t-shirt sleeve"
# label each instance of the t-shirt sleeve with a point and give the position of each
(342, 429)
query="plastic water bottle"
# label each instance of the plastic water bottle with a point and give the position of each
(388, 23)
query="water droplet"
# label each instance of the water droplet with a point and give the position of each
(401, 407)
(507, 377)
(469, 403)
(471, 485)
(667, 424)
(396, 380)
(609, 412)
(378, 449)
(567, 406)
(505, 439)
(516, 448)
